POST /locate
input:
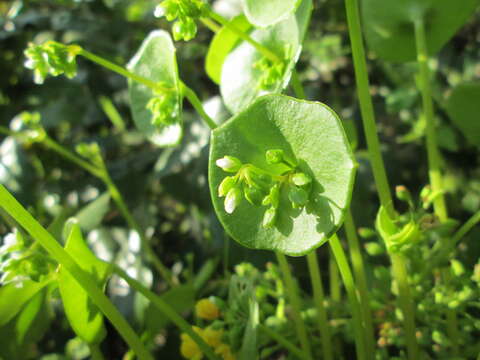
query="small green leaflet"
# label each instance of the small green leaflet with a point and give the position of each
(308, 132)
(389, 24)
(156, 61)
(265, 13)
(463, 107)
(84, 317)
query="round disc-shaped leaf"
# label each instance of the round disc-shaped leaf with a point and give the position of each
(308, 132)
(156, 61)
(222, 43)
(240, 81)
(268, 12)
(463, 107)
(389, 24)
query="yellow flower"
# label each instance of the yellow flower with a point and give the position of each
(225, 351)
(189, 348)
(212, 337)
(205, 309)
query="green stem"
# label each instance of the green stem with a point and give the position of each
(347, 277)
(434, 163)
(197, 105)
(399, 269)
(297, 85)
(434, 166)
(319, 298)
(23, 217)
(361, 279)
(294, 298)
(103, 175)
(212, 25)
(96, 352)
(168, 311)
(283, 341)
(366, 106)
(336, 297)
(242, 35)
(122, 71)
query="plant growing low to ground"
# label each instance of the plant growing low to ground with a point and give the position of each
(324, 206)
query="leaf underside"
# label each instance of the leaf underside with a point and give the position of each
(268, 12)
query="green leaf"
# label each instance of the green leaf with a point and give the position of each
(32, 319)
(13, 298)
(389, 24)
(222, 43)
(397, 237)
(268, 12)
(156, 60)
(249, 345)
(463, 107)
(90, 216)
(84, 317)
(308, 132)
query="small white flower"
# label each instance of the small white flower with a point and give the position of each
(229, 164)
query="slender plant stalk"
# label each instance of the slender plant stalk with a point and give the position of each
(168, 311)
(297, 85)
(319, 298)
(378, 168)
(212, 25)
(294, 298)
(102, 174)
(197, 105)
(282, 341)
(336, 297)
(366, 106)
(361, 279)
(244, 36)
(434, 164)
(349, 283)
(23, 217)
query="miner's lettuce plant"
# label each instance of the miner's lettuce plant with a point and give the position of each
(281, 175)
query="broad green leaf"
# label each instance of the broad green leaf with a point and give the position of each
(222, 43)
(31, 319)
(84, 317)
(91, 216)
(463, 107)
(308, 132)
(156, 60)
(181, 298)
(268, 12)
(240, 81)
(389, 24)
(13, 298)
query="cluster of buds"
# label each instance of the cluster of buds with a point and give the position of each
(184, 12)
(164, 108)
(92, 152)
(30, 125)
(20, 262)
(52, 58)
(262, 188)
(272, 72)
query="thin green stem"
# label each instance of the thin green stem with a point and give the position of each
(366, 106)
(361, 279)
(434, 167)
(434, 163)
(319, 298)
(102, 174)
(349, 283)
(283, 341)
(297, 85)
(294, 298)
(242, 35)
(399, 269)
(23, 217)
(197, 105)
(168, 311)
(122, 71)
(336, 298)
(212, 25)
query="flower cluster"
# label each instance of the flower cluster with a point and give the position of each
(52, 58)
(213, 336)
(263, 188)
(272, 72)
(31, 126)
(21, 262)
(164, 108)
(185, 12)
